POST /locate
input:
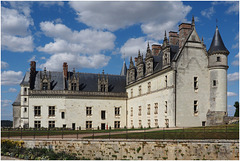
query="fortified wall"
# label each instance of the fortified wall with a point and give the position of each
(144, 149)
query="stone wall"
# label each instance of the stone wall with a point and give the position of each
(146, 150)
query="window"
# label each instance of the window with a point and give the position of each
(116, 124)
(165, 58)
(117, 111)
(166, 80)
(214, 83)
(103, 115)
(165, 106)
(25, 99)
(63, 115)
(45, 86)
(73, 86)
(218, 59)
(156, 122)
(51, 110)
(131, 111)
(149, 122)
(37, 111)
(140, 123)
(139, 90)
(88, 124)
(139, 111)
(37, 124)
(156, 108)
(64, 125)
(25, 90)
(148, 109)
(167, 123)
(51, 124)
(195, 106)
(89, 111)
(131, 92)
(195, 83)
(149, 87)
(25, 109)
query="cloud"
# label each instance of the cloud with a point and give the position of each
(234, 46)
(153, 17)
(4, 65)
(234, 8)
(11, 77)
(67, 41)
(235, 63)
(55, 62)
(233, 76)
(230, 94)
(33, 58)
(43, 58)
(237, 56)
(6, 103)
(50, 3)
(16, 35)
(131, 47)
(12, 90)
(208, 12)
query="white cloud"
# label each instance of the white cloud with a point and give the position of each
(234, 46)
(11, 77)
(235, 63)
(43, 58)
(12, 90)
(233, 76)
(131, 47)
(154, 17)
(208, 12)
(50, 3)
(75, 61)
(67, 41)
(6, 103)
(237, 56)
(234, 7)
(16, 36)
(230, 94)
(4, 65)
(33, 58)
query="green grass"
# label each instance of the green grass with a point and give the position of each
(210, 132)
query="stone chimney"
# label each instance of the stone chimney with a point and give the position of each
(156, 49)
(32, 74)
(33, 67)
(65, 69)
(184, 30)
(173, 38)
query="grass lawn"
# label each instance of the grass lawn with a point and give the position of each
(210, 132)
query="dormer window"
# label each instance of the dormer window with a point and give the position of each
(218, 59)
(73, 86)
(45, 86)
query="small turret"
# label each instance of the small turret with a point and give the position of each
(124, 69)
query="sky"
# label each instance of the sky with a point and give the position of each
(96, 36)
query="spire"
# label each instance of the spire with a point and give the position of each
(217, 43)
(149, 52)
(165, 41)
(193, 22)
(131, 63)
(124, 69)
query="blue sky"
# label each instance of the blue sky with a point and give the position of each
(92, 36)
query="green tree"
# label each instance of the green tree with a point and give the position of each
(236, 105)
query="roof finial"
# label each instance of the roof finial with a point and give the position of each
(165, 34)
(193, 21)
(216, 22)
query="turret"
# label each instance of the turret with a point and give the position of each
(124, 69)
(218, 65)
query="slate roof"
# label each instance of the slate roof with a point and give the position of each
(17, 102)
(217, 43)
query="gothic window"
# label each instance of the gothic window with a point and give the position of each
(37, 111)
(37, 124)
(156, 108)
(195, 83)
(149, 87)
(214, 83)
(116, 124)
(88, 124)
(45, 86)
(51, 110)
(89, 111)
(63, 115)
(73, 86)
(51, 124)
(139, 111)
(148, 109)
(218, 59)
(139, 90)
(117, 111)
(165, 106)
(195, 107)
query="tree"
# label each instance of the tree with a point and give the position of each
(236, 105)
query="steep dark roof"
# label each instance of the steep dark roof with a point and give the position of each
(25, 80)
(124, 69)
(17, 102)
(217, 43)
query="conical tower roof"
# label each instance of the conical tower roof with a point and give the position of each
(217, 43)
(124, 69)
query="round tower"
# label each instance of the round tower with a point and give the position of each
(218, 65)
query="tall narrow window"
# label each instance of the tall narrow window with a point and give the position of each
(103, 115)
(63, 115)
(37, 124)
(139, 90)
(149, 87)
(88, 124)
(218, 59)
(195, 107)
(89, 111)
(117, 111)
(116, 124)
(156, 108)
(74, 86)
(165, 106)
(148, 109)
(25, 109)
(195, 83)
(166, 80)
(131, 92)
(214, 83)
(25, 99)
(139, 111)
(37, 111)
(51, 110)
(51, 124)
(131, 111)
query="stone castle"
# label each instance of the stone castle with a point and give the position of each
(177, 84)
